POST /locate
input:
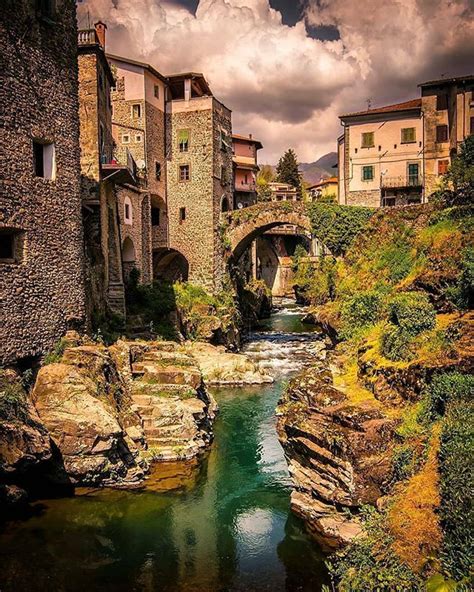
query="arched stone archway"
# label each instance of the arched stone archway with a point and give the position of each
(170, 265)
(225, 206)
(246, 225)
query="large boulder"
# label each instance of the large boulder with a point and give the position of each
(78, 401)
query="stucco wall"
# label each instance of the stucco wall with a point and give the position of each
(42, 294)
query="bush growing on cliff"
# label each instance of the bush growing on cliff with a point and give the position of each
(13, 402)
(446, 388)
(462, 294)
(412, 312)
(362, 310)
(457, 484)
(395, 344)
(336, 226)
(369, 563)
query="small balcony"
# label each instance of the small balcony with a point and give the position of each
(402, 181)
(242, 186)
(87, 37)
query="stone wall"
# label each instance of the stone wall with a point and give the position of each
(42, 290)
(369, 198)
(197, 237)
(138, 230)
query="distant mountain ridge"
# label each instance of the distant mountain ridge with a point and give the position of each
(323, 167)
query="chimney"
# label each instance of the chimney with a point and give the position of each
(100, 29)
(250, 136)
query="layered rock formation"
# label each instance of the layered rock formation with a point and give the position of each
(338, 455)
(99, 415)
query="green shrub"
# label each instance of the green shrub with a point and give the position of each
(362, 310)
(336, 226)
(448, 387)
(397, 259)
(395, 344)
(462, 294)
(13, 401)
(55, 355)
(412, 312)
(369, 564)
(456, 486)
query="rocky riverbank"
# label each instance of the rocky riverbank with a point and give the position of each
(97, 416)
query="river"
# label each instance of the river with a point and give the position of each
(222, 526)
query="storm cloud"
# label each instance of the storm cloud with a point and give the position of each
(284, 84)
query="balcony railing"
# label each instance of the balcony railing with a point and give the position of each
(87, 37)
(402, 181)
(242, 186)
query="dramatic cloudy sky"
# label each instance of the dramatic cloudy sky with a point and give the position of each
(288, 68)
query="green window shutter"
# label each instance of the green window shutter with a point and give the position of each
(367, 139)
(183, 136)
(367, 173)
(408, 135)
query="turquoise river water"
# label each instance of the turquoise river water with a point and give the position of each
(224, 525)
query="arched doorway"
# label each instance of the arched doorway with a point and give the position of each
(128, 257)
(170, 265)
(225, 207)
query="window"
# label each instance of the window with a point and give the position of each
(184, 172)
(183, 140)
(11, 245)
(367, 173)
(156, 91)
(443, 167)
(138, 138)
(224, 142)
(414, 199)
(223, 175)
(471, 126)
(441, 133)
(44, 159)
(367, 140)
(413, 176)
(441, 101)
(136, 111)
(125, 139)
(127, 211)
(158, 171)
(182, 215)
(155, 216)
(389, 201)
(408, 135)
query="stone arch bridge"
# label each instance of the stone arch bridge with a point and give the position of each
(244, 226)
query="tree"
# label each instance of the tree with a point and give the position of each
(265, 176)
(287, 170)
(460, 176)
(266, 173)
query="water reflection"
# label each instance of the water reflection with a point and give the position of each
(221, 526)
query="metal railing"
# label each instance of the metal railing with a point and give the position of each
(402, 181)
(87, 37)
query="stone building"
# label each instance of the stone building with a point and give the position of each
(138, 102)
(380, 156)
(245, 150)
(448, 116)
(41, 240)
(107, 185)
(199, 177)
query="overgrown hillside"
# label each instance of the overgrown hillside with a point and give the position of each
(400, 302)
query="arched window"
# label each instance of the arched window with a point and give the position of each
(225, 204)
(128, 251)
(128, 211)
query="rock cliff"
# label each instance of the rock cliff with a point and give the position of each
(338, 455)
(99, 415)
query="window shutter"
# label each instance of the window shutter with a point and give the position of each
(183, 136)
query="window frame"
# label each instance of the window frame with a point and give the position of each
(445, 162)
(125, 136)
(17, 237)
(372, 169)
(138, 138)
(403, 139)
(442, 126)
(180, 167)
(158, 170)
(182, 214)
(156, 91)
(48, 165)
(181, 149)
(132, 109)
(363, 144)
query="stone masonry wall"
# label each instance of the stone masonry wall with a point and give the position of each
(42, 293)
(369, 198)
(197, 237)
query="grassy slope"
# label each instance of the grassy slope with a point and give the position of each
(425, 250)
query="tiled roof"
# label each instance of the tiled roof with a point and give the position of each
(247, 139)
(406, 106)
(324, 182)
(442, 81)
